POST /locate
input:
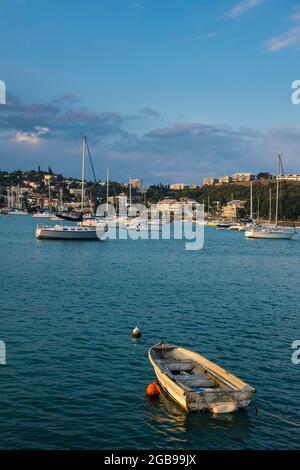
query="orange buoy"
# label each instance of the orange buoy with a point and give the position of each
(153, 390)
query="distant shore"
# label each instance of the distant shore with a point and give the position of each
(34, 186)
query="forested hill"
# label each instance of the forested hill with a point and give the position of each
(289, 191)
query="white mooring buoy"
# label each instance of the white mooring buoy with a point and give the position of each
(136, 332)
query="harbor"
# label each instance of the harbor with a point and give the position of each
(149, 232)
(67, 313)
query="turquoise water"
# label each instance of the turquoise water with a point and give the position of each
(75, 379)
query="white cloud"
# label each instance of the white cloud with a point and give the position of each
(243, 7)
(296, 15)
(283, 41)
(289, 39)
(32, 137)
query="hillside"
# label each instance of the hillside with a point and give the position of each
(289, 196)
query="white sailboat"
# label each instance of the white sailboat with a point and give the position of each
(249, 225)
(15, 205)
(105, 220)
(71, 232)
(65, 232)
(272, 231)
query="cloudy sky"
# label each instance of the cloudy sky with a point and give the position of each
(165, 90)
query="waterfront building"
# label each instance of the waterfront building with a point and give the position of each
(136, 183)
(290, 177)
(173, 206)
(33, 184)
(234, 209)
(168, 205)
(241, 177)
(210, 181)
(225, 179)
(178, 186)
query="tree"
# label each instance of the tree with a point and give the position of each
(264, 176)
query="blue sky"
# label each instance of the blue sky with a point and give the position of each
(166, 90)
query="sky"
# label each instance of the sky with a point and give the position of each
(165, 90)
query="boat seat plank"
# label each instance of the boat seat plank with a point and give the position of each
(195, 380)
(181, 366)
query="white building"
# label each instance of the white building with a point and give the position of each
(136, 183)
(178, 186)
(233, 209)
(225, 179)
(169, 206)
(294, 177)
(237, 177)
(210, 181)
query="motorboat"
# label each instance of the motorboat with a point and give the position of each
(42, 215)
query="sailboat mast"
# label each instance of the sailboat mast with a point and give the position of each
(61, 199)
(251, 201)
(107, 189)
(18, 197)
(270, 205)
(49, 196)
(82, 172)
(277, 189)
(9, 198)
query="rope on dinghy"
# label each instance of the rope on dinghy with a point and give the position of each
(280, 418)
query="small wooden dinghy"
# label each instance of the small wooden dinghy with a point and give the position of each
(196, 383)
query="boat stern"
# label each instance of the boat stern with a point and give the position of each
(222, 408)
(38, 232)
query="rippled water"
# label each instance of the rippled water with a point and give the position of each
(75, 379)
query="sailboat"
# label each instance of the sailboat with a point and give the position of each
(71, 232)
(17, 209)
(272, 231)
(104, 220)
(248, 223)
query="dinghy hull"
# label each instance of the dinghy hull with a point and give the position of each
(196, 383)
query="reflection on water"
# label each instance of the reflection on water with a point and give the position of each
(166, 417)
